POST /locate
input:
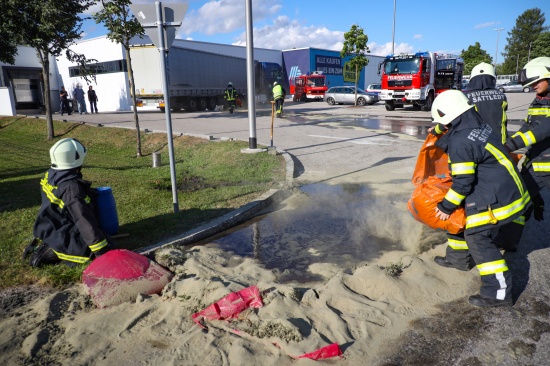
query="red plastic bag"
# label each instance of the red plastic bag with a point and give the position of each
(329, 351)
(231, 305)
(424, 200)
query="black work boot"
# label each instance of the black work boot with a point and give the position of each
(485, 302)
(43, 254)
(442, 261)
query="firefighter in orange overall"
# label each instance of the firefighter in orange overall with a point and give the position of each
(490, 187)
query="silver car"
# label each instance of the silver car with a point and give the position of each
(514, 86)
(346, 95)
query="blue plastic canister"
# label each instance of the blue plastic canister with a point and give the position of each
(106, 208)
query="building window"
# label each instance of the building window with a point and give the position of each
(98, 68)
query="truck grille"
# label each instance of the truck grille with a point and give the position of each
(399, 82)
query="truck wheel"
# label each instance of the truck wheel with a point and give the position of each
(390, 106)
(203, 104)
(331, 101)
(211, 104)
(193, 105)
(429, 101)
(361, 101)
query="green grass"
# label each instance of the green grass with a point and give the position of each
(213, 178)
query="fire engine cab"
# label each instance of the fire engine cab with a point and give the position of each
(311, 86)
(418, 78)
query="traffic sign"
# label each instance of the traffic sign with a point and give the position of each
(172, 16)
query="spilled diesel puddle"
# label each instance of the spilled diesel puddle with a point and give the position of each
(320, 231)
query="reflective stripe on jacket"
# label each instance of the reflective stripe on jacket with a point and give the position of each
(535, 135)
(278, 92)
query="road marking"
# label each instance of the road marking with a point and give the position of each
(362, 141)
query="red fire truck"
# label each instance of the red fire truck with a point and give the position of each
(311, 86)
(418, 78)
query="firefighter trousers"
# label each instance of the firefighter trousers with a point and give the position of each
(279, 106)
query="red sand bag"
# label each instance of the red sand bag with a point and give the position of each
(121, 275)
(231, 305)
(424, 200)
(329, 351)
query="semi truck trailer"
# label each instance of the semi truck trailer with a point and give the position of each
(197, 79)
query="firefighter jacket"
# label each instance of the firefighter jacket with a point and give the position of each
(490, 103)
(485, 180)
(535, 135)
(278, 92)
(66, 221)
(230, 94)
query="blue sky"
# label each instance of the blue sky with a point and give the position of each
(445, 26)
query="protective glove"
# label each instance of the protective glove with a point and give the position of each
(538, 208)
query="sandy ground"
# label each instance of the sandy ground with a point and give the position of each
(376, 318)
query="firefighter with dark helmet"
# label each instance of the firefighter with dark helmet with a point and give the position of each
(66, 228)
(489, 102)
(230, 95)
(534, 134)
(489, 186)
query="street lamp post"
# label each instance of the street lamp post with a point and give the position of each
(496, 52)
(393, 31)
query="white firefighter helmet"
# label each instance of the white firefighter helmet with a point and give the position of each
(230, 84)
(275, 83)
(535, 70)
(449, 105)
(483, 69)
(67, 153)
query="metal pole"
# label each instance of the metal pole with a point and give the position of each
(272, 117)
(252, 141)
(166, 92)
(393, 31)
(496, 51)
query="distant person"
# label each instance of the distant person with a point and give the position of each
(279, 94)
(534, 134)
(490, 103)
(92, 98)
(79, 96)
(64, 101)
(230, 96)
(66, 228)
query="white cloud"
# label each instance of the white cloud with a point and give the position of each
(385, 49)
(286, 34)
(417, 36)
(485, 25)
(225, 16)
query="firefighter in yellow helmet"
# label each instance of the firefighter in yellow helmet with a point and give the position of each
(66, 228)
(279, 94)
(489, 186)
(534, 134)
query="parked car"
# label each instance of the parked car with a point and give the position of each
(346, 95)
(374, 88)
(514, 86)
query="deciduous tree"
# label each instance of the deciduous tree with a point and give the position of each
(529, 25)
(122, 26)
(355, 46)
(473, 56)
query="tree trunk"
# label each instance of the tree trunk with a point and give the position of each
(133, 92)
(356, 67)
(45, 61)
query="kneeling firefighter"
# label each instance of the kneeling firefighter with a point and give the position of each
(489, 185)
(66, 228)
